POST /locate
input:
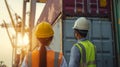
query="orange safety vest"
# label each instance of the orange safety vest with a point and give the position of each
(54, 59)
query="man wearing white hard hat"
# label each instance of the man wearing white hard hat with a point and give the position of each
(83, 52)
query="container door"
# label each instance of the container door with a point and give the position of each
(100, 34)
(68, 38)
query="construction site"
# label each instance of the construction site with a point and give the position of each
(19, 18)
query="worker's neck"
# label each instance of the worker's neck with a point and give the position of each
(80, 37)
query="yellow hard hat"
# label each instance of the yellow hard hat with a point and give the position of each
(44, 30)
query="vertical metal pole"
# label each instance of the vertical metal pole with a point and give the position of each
(16, 40)
(83, 6)
(31, 20)
(75, 9)
(97, 4)
(115, 20)
(24, 17)
(61, 27)
(13, 51)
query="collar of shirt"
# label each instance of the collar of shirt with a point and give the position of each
(82, 39)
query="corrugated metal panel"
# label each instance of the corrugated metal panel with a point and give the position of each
(68, 39)
(116, 4)
(118, 24)
(100, 34)
(117, 7)
(86, 7)
(51, 11)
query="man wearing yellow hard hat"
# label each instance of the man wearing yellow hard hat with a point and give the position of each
(44, 56)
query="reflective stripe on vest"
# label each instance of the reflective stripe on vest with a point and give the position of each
(86, 62)
(53, 59)
(56, 59)
(83, 55)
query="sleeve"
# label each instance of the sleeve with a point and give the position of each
(74, 57)
(24, 64)
(64, 63)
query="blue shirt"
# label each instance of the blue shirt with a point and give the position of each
(75, 56)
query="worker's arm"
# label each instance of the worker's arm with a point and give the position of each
(64, 63)
(74, 57)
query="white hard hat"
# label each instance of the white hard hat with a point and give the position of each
(81, 24)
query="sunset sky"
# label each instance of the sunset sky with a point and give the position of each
(15, 7)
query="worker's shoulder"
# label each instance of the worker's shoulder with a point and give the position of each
(75, 44)
(75, 47)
